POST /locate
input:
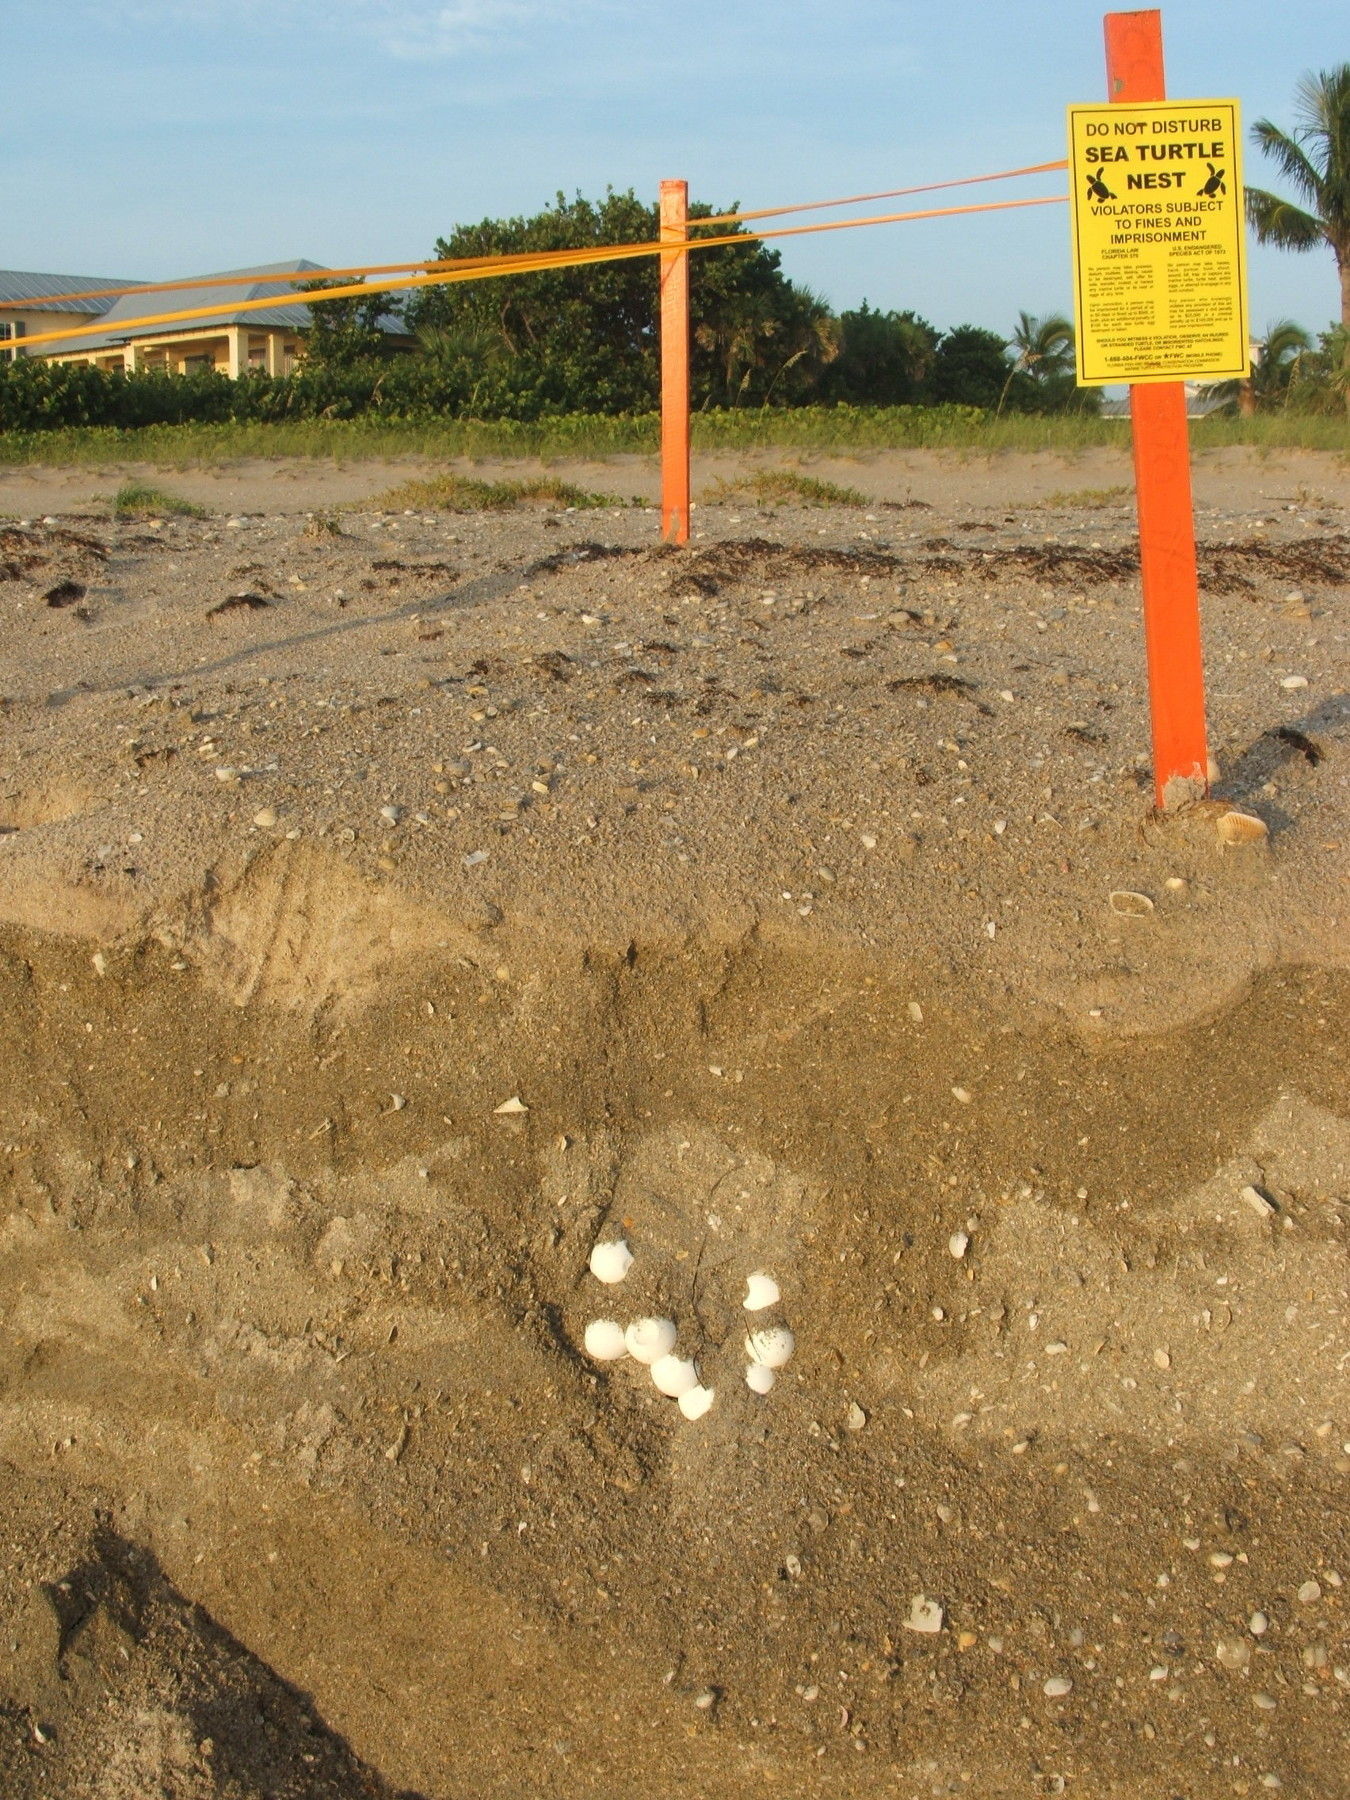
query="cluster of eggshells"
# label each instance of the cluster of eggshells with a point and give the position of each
(652, 1341)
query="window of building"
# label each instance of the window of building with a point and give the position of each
(9, 330)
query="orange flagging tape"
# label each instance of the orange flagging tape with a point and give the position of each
(526, 264)
(433, 266)
(928, 187)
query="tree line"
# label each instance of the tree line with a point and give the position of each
(582, 340)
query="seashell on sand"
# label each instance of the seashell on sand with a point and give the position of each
(1241, 828)
(1129, 905)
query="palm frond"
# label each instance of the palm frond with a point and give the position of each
(1284, 339)
(1323, 101)
(1290, 158)
(1320, 94)
(1280, 222)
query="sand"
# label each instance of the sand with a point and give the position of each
(803, 889)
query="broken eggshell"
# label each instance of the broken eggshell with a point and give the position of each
(674, 1375)
(604, 1340)
(611, 1261)
(696, 1402)
(648, 1340)
(761, 1291)
(770, 1346)
(759, 1378)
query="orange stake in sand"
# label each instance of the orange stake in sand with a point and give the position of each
(675, 365)
(1162, 477)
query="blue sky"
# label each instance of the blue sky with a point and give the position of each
(158, 138)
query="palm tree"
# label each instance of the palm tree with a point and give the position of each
(1315, 159)
(1044, 348)
(1276, 367)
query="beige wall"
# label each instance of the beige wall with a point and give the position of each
(34, 322)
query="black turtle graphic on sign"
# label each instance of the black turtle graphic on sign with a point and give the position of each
(1215, 185)
(1097, 188)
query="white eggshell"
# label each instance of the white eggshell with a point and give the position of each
(761, 1291)
(604, 1340)
(771, 1345)
(650, 1339)
(611, 1261)
(696, 1402)
(759, 1378)
(674, 1375)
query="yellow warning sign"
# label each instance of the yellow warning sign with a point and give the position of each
(1159, 263)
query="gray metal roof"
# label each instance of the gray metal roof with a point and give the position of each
(26, 285)
(135, 306)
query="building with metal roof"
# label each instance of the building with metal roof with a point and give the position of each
(227, 338)
(23, 310)
(231, 340)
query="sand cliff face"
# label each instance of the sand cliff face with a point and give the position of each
(774, 879)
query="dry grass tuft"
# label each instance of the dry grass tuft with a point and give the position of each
(464, 493)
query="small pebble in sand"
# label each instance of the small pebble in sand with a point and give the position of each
(1258, 1624)
(1291, 683)
(857, 1418)
(611, 1261)
(1310, 1592)
(958, 1243)
(1057, 1686)
(512, 1108)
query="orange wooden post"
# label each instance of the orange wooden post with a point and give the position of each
(1162, 479)
(675, 365)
